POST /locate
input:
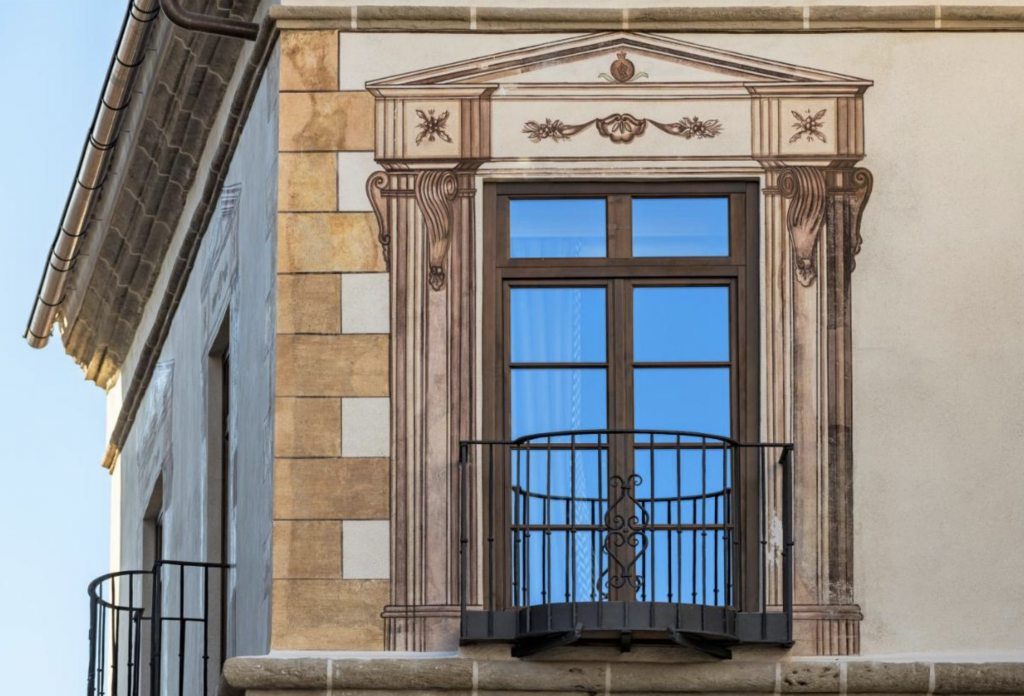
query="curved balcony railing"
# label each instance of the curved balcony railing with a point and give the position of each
(626, 536)
(156, 631)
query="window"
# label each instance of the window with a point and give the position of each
(622, 306)
(221, 495)
(618, 307)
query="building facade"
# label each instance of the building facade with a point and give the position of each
(489, 349)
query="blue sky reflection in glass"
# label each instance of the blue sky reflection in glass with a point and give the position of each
(557, 228)
(552, 331)
(564, 326)
(681, 324)
(680, 227)
(677, 332)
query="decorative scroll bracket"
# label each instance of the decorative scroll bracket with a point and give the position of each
(806, 191)
(375, 186)
(863, 182)
(435, 192)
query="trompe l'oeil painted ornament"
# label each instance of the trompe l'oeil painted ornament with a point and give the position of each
(622, 70)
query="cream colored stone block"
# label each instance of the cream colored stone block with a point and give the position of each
(324, 243)
(328, 614)
(366, 427)
(312, 365)
(354, 168)
(330, 489)
(307, 549)
(308, 303)
(309, 60)
(307, 181)
(307, 427)
(319, 121)
(365, 301)
(366, 549)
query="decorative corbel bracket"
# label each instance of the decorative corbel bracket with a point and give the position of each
(435, 191)
(375, 186)
(807, 193)
(863, 182)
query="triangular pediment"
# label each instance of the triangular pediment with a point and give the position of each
(616, 58)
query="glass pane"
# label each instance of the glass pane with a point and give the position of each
(694, 399)
(570, 228)
(685, 486)
(557, 487)
(680, 227)
(688, 324)
(558, 324)
(544, 400)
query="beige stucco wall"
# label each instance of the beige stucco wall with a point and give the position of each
(939, 416)
(234, 275)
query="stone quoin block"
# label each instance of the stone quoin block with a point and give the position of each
(307, 549)
(305, 427)
(310, 365)
(319, 121)
(333, 489)
(309, 303)
(324, 243)
(307, 181)
(309, 60)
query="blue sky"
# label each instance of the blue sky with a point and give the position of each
(54, 497)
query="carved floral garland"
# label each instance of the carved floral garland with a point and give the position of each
(623, 128)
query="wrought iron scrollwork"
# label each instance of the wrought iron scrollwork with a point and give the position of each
(625, 530)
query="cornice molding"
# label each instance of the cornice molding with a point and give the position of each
(752, 19)
(226, 142)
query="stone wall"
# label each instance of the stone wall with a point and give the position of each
(331, 448)
(617, 674)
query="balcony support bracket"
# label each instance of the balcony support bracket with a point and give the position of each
(536, 644)
(701, 643)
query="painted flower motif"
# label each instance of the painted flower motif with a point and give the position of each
(809, 125)
(542, 131)
(623, 128)
(695, 128)
(432, 127)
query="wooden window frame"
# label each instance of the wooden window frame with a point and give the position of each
(618, 271)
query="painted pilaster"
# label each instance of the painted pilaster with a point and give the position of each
(430, 143)
(813, 218)
(427, 238)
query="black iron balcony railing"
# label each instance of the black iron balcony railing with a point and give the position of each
(156, 631)
(627, 536)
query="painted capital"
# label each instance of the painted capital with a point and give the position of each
(806, 191)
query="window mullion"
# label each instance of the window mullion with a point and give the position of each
(620, 227)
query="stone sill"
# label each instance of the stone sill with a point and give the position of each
(489, 671)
